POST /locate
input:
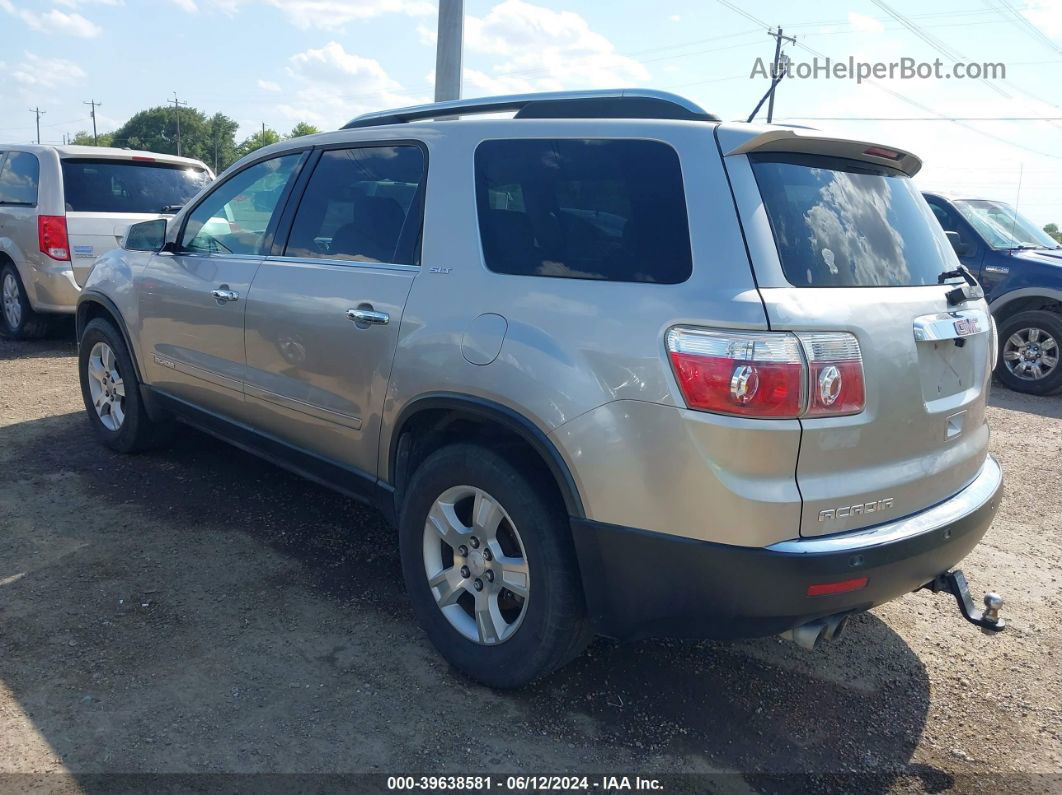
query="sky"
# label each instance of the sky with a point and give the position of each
(279, 62)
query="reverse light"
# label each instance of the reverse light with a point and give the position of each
(768, 374)
(844, 586)
(52, 237)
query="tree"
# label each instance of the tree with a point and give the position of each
(303, 128)
(263, 137)
(1052, 229)
(84, 138)
(222, 131)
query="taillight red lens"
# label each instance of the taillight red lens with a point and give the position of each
(52, 237)
(749, 374)
(768, 374)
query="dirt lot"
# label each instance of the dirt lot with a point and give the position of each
(197, 610)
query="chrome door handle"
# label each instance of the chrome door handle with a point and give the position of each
(223, 296)
(368, 317)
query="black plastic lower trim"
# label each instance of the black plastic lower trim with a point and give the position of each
(641, 584)
(346, 480)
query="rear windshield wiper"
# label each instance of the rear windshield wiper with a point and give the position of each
(970, 291)
(171, 208)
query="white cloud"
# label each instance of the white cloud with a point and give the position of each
(1046, 15)
(268, 85)
(38, 72)
(54, 21)
(76, 3)
(329, 15)
(543, 49)
(675, 18)
(333, 85)
(864, 24)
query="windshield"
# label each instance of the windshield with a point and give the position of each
(1002, 226)
(846, 223)
(129, 186)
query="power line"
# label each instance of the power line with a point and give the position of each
(39, 113)
(927, 118)
(1008, 11)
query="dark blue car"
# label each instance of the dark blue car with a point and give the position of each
(1020, 268)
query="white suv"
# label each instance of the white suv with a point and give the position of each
(63, 206)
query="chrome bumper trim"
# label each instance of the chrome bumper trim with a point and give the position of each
(981, 490)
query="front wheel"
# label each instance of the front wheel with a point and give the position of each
(111, 391)
(1030, 344)
(490, 568)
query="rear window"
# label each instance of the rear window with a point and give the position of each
(129, 186)
(844, 223)
(583, 209)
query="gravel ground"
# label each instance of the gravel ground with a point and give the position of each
(198, 610)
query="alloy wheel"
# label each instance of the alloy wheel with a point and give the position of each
(106, 386)
(476, 566)
(1031, 354)
(12, 301)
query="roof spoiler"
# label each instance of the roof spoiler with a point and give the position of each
(801, 142)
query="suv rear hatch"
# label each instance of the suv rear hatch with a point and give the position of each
(842, 241)
(104, 196)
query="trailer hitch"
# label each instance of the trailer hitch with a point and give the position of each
(954, 582)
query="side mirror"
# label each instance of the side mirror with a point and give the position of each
(962, 248)
(146, 236)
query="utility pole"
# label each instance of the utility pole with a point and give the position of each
(39, 113)
(448, 50)
(777, 73)
(177, 110)
(776, 70)
(94, 104)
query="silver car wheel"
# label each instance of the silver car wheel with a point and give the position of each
(12, 301)
(106, 386)
(476, 566)
(1031, 354)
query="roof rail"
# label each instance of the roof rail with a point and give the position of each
(621, 103)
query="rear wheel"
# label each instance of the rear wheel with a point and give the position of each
(111, 392)
(489, 565)
(18, 321)
(1030, 346)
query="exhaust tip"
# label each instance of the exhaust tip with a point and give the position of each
(809, 636)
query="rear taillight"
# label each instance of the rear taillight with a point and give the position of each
(768, 374)
(52, 237)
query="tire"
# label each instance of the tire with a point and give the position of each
(122, 423)
(529, 637)
(1030, 352)
(18, 321)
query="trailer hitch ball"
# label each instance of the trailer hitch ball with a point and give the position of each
(993, 602)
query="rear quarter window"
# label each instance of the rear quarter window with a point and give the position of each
(583, 209)
(845, 223)
(19, 177)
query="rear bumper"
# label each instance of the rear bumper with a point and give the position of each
(53, 289)
(639, 583)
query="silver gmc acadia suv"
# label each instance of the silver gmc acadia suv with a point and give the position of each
(610, 366)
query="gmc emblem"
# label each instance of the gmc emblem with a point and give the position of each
(965, 326)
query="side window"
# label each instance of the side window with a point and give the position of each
(360, 205)
(583, 209)
(18, 179)
(949, 221)
(233, 219)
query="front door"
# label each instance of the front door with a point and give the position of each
(323, 317)
(192, 301)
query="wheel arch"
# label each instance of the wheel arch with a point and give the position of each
(1009, 304)
(92, 305)
(438, 418)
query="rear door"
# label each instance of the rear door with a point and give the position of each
(323, 315)
(847, 244)
(103, 196)
(192, 300)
